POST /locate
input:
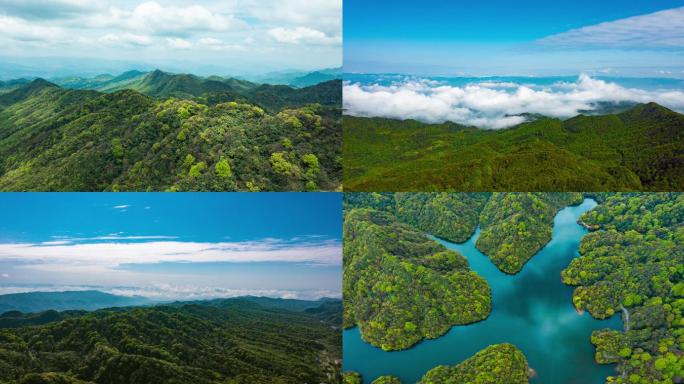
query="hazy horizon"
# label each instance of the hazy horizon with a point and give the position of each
(235, 37)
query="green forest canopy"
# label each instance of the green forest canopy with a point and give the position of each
(638, 149)
(181, 134)
(221, 341)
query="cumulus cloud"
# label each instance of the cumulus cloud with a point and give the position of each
(123, 206)
(303, 35)
(661, 29)
(22, 30)
(178, 43)
(491, 106)
(180, 21)
(110, 252)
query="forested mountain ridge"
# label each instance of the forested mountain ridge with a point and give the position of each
(638, 149)
(55, 139)
(229, 341)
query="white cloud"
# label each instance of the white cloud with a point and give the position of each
(155, 18)
(219, 45)
(107, 253)
(5, 275)
(492, 107)
(178, 43)
(126, 39)
(22, 30)
(123, 206)
(303, 35)
(663, 29)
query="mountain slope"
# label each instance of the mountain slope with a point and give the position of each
(639, 149)
(54, 139)
(238, 342)
(61, 301)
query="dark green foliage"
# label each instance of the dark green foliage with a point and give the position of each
(228, 341)
(53, 139)
(400, 287)
(496, 364)
(639, 149)
(60, 301)
(515, 226)
(451, 216)
(633, 264)
(16, 319)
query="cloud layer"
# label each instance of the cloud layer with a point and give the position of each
(167, 292)
(107, 253)
(156, 29)
(661, 29)
(490, 104)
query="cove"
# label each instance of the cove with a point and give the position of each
(532, 310)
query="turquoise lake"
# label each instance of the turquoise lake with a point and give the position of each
(532, 310)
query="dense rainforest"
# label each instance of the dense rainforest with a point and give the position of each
(158, 131)
(236, 341)
(496, 364)
(638, 149)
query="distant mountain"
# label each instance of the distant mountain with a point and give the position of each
(233, 136)
(311, 88)
(61, 301)
(298, 79)
(641, 148)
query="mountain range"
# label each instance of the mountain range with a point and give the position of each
(161, 131)
(640, 148)
(240, 340)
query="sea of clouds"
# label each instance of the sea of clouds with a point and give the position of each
(493, 104)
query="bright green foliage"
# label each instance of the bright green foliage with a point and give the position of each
(221, 341)
(633, 264)
(515, 226)
(400, 287)
(54, 139)
(639, 149)
(351, 378)
(223, 170)
(386, 380)
(496, 364)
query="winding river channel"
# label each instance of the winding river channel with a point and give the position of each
(532, 310)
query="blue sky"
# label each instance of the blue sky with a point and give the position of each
(173, 246)
(228, 37)
(530, 37)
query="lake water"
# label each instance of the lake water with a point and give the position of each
(532, 310)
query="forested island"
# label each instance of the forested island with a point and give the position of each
(639, 149)
(631, 264)
(237, 341)
(157, 131)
